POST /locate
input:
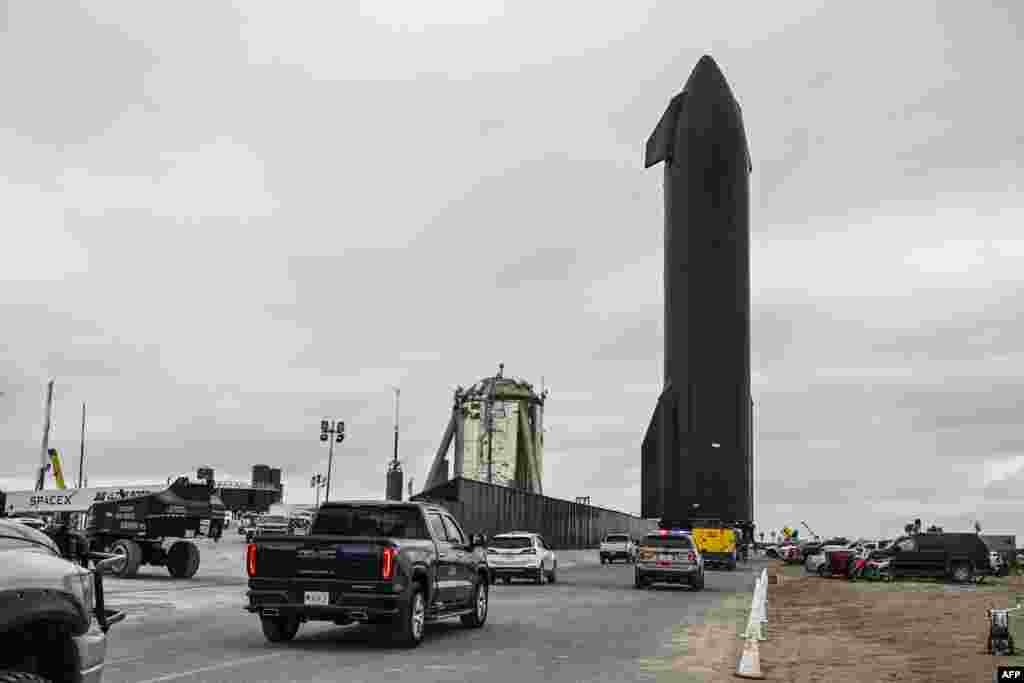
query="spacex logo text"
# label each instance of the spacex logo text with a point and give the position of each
(50, 500)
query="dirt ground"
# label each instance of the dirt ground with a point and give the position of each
(850, 632)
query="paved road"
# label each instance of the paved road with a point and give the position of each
(590, 626)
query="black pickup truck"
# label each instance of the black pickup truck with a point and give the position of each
(396, 563)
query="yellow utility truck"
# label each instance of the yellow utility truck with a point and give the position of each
(717, 544)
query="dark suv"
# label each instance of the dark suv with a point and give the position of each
(961, 558)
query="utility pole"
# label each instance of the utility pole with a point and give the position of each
(327, 430)
(81, 452)
(397, 393)
(317, 483)
(44, 457)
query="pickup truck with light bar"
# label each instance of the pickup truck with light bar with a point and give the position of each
(669, 556)
(403, 564)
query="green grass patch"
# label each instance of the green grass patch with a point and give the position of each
(733, 612)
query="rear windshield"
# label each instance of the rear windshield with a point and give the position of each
(668, 542)
(512, 542)
(367, 521)
(617, 538)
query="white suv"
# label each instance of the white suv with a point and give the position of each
(522, 555)
(617, 546)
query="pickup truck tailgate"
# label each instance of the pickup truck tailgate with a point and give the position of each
(313, 557)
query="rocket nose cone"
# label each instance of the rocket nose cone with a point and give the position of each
(706, 78)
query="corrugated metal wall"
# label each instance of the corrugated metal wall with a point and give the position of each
(492, 509)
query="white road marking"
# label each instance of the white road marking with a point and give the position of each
(212, 667)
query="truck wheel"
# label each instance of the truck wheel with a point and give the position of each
(479, 614)
(279, 629)
(183, 560)
(21, 677)
(412, 618)
(132, 554)
(542, 575)
(697, 583)
(553, 574)
(193, 560)
(638, 581)
(962, 573)
(507, 580)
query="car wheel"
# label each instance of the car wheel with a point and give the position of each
(697, 583)
(507, 580)
(553, 576)
(279, 629)
(542, 575)
(638, 581)
(962, 573)
(132, 554)
(412, 619)
(479, 615)
(821, 571)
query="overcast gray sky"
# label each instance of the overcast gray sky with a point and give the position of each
(222, 222)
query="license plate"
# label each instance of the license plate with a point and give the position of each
(666, 558)
(317, 598)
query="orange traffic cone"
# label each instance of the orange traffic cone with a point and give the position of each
(750, 660)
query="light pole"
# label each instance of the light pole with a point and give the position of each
(327, 430)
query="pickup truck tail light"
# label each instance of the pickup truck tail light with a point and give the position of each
(250, 559)
(387, 568)
(691, 557)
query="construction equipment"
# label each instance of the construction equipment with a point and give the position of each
(134, 524)
(58, 471)
(136, 528)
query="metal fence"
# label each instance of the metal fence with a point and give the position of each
(492, 509)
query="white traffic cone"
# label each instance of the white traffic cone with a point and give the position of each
(750, 660)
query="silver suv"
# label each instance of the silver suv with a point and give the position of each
(53, 623)
(669, 556)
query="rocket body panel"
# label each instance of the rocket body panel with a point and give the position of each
(696, 453)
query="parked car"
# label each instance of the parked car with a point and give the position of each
(396, 564)
(53, 625)
(791, 554)
(617, 546)
(669, 556)
(521, 555)
(959, 557)
(817, 561)
(273, 525)
(247, 526)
